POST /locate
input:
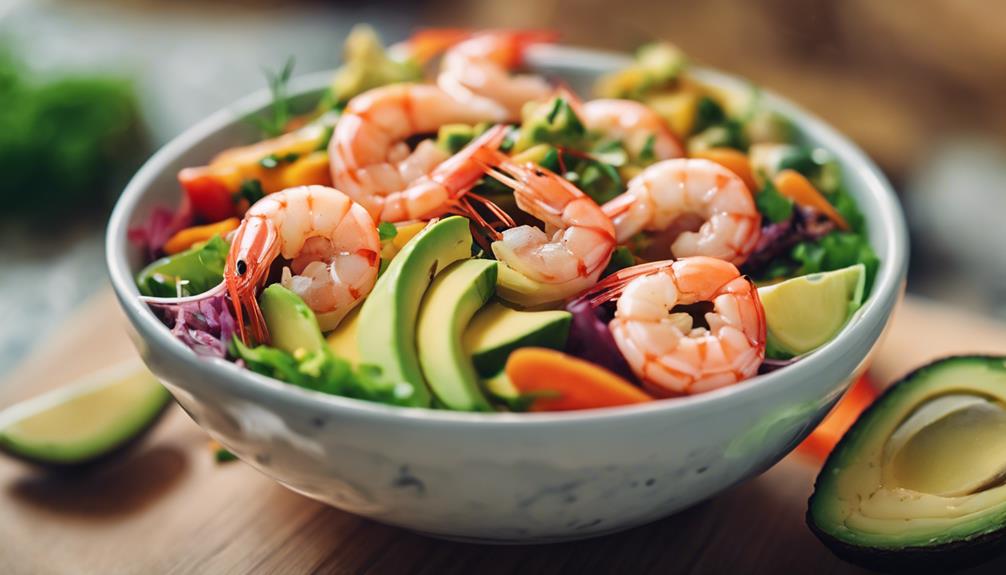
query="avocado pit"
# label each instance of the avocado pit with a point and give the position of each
(951, 446)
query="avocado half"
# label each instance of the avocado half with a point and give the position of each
(918, 483)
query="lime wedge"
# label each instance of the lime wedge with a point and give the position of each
(86, 419)
(805, 312)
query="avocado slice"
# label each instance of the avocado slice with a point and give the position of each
(85, 420)
(343, 339)
(496, 330)
(448, 306)
(292, 325)
(387, 330)
(919, 481)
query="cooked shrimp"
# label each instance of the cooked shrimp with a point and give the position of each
(478, 69)
(582, 237)
(634, 124)
(663, 346)
(331, 242)
(371, 162)
(671, 189)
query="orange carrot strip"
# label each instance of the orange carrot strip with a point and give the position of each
(733, 160)
(185, 239)
(578, 384)
(823, 439)
(796, 187)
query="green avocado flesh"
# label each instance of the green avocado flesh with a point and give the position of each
(453, 298)
(86, 419)
(342, 340)
(921, 476)
(497, 330)
(387, 323)
(292, 325)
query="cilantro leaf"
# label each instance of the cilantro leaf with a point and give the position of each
(250, 190)
(386, 230)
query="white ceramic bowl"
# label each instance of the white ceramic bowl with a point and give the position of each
(506, 477)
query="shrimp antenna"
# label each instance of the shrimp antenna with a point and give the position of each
(500, 213)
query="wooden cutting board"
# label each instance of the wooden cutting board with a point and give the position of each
(169, 507)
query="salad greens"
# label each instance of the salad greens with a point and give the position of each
(322, 371)
(191, 272)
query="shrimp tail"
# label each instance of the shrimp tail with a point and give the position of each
(520, 40)
(428, 43)
(610, 288)
(618, 205)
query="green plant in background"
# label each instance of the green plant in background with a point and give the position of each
(65, 143)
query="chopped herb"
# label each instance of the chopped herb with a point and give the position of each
(708, 113)
(611, 152)
(773, 205)
(557, 105)
(386, 231)
(250, 190)
(274, 122)
(647, 154)
(272, 160)
(325, 138)
(223, 456)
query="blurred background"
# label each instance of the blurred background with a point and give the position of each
(88, 89)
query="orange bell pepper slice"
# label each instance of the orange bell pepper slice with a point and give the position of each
(185, 239)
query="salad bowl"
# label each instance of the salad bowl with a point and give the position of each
(507, 477)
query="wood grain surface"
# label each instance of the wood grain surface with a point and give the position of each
(168, 507)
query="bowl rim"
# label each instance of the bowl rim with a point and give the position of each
(224, 374)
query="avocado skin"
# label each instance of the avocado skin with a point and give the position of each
(86, 465)
(944, 558)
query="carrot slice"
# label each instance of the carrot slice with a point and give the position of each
(796, 187)
(820, 443)
(575, 383)
(185, 239)
(733, 160)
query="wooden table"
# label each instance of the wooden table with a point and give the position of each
(169, 507)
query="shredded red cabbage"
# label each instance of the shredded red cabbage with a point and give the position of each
(162, 223)
(777, 238)
(205, 325)
(590, 338)
(769, 365)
